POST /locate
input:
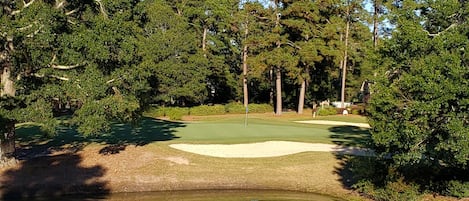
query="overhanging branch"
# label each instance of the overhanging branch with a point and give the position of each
(60, 4)
(65, 67)
(25, 5)
(35, 32)
(102, 8)
(441, 32)
(52, 76)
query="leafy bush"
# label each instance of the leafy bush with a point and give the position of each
(392, 191)
(325, 111)
(458, 189)
(235, 108)
(238, 108)
(156, 112)
(176, 113)
(260, 108)
(204, 110)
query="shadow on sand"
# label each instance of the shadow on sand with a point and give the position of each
(51, 166)
(351, 136)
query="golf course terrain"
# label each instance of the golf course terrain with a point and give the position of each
(141, 158)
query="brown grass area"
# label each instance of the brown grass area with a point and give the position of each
(157, 167)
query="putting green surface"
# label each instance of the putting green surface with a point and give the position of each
(238, 133)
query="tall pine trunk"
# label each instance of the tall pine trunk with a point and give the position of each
(301, 101)
(245, 68)
(344, 63)
(375, 22)
(278, 86)
(278, 72)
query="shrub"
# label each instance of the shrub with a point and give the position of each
(458, 189)
(325, 111)
(204, 110)
(176, 113)
(392, 191)
(156, 112)
(235, 108)
(260, 108)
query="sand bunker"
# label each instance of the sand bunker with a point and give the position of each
(266, 149)
(336, 123)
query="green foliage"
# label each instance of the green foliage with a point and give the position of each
(173, 113)
(457, 189)
(260, 108)
(155, 112)
(392, 191)
(419, 105)
(204, 110)
(176, 113)
(325, 111)
(93, 118)
(235, 108)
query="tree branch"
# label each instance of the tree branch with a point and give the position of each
(65, 67)
(60, 4)
(25, 5)
(293, 45)
(102, 9)
(110, 81)
(437, 34)
(53, 76)
(71, 12)
(24, 28)
(35, 33)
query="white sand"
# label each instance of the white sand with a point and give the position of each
(266, 149)
(337, 123)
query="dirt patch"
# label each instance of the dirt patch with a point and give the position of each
(177, 160)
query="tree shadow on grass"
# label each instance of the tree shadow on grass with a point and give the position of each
(32, 143)
(52, 177)
(51, 166)
(350, 136)
(351, 168)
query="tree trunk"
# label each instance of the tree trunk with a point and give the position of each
(245, 69)
(301, 101)
(271, 92)
(7, 141)
(278, 85)
(204, 41)
(278, 72)
(7, 138)
(8, 88)
(375, 23)
(344, 63)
